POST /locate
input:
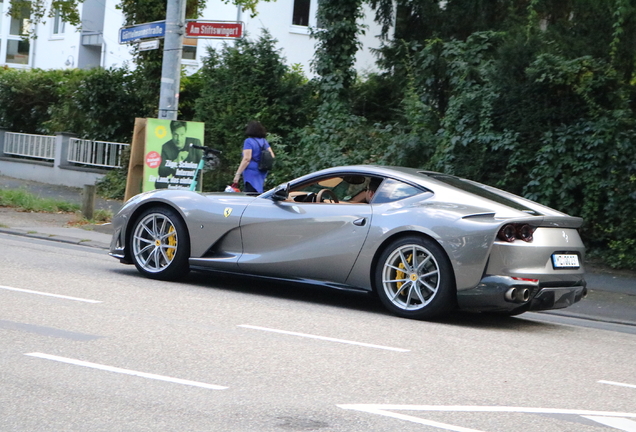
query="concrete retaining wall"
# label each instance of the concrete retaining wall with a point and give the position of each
(58, 172)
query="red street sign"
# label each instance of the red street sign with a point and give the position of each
(214, 29)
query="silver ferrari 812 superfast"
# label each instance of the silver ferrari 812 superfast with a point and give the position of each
(424, 242)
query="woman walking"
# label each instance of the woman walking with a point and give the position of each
(253, 147)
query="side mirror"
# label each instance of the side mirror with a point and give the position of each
(281, 193)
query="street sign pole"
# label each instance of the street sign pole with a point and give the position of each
(171, 66)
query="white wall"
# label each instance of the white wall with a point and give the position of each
(297, 46)
(116, 55)
(61, 51)
(54, 51)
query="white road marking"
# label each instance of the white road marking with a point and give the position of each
(418, 420)
(617, 423)
(617, 384)
(125, 371)
(323, 338)
(463, 408)
(615, 420)
(48, 294)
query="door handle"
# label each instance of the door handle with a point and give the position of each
(360, 222)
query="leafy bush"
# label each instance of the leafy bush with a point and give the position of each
(98, 104)
(508, 111)
(561, 132)
(587, 169)
(26, 97)
(621, 253)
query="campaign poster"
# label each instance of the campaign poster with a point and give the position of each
(170, 161)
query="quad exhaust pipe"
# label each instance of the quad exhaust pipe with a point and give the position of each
(517, 295)
(522, 295)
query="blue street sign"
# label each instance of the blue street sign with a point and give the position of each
(155, 29)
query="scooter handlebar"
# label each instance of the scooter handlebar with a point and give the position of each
(207, 149)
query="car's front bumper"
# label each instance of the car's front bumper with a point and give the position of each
(118, 241)
(507, 294)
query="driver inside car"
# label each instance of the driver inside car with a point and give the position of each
(348, 189)
(366, 195)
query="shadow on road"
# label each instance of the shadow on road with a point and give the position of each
(350, 300)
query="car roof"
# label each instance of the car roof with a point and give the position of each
(417, 176)
(439, 182)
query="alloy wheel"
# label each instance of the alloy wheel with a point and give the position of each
(154, 242)
(411, 277)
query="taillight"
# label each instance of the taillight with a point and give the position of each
(524, 232)
(507, 233)
(512, 232)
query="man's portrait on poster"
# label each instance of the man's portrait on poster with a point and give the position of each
(178, 159)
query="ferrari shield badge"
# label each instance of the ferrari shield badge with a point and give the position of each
(227, 211)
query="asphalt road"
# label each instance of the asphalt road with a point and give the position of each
(88, 344)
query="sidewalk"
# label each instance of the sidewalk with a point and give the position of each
(61, 227)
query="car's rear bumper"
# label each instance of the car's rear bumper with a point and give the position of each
(557, 298)
(507, 294)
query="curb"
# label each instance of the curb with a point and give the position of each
(53, 237)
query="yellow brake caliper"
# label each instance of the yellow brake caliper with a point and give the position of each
(172, 241)
(401, 274)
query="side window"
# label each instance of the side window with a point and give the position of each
(301, 12)
(189, 49)
(344, 187)
(18, 47)
(20, 21)
(304, 16)
(58, 24)
(393, 190)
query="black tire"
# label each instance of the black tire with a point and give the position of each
(160, 244)
(414, 279)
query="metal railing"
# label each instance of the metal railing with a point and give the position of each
(28, 145)
(95, 153)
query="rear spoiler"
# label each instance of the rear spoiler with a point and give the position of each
(540, 221)
(562, 222)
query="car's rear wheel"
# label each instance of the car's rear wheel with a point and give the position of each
(414, 279)
(159, 244)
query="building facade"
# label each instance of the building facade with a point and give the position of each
(59, 45)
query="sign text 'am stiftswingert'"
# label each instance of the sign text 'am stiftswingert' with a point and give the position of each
(214, 29)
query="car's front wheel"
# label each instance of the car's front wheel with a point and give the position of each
(414, 279)
(159, 244)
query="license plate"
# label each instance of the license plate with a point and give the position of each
(565, 261)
